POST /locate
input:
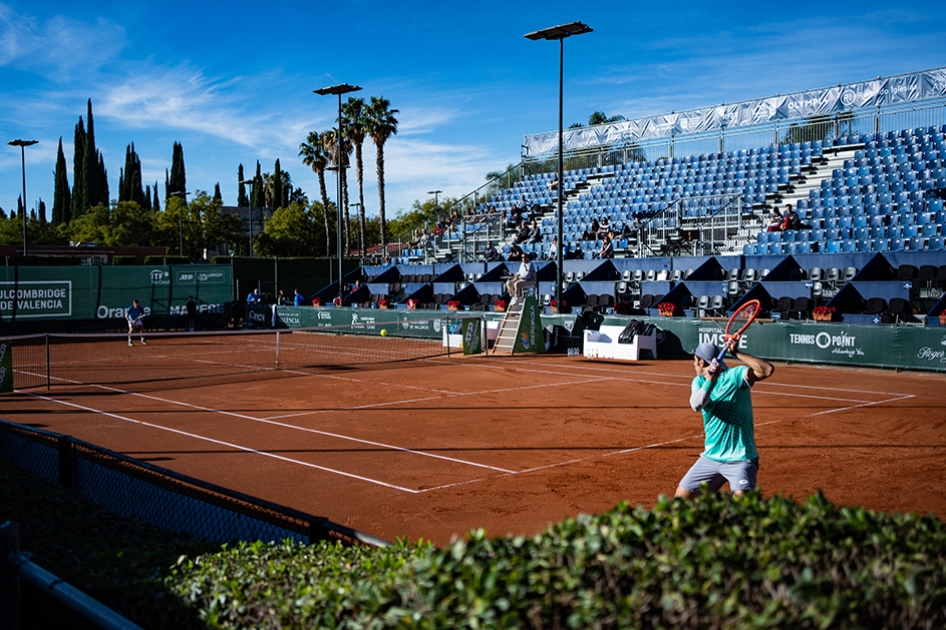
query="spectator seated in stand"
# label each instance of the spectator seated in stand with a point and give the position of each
(792, 220)
(607, 249)
(490, 254)
(776, 222)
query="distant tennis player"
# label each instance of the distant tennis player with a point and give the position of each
(722, 395)
(133, 314)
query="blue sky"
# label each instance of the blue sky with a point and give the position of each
(233, 81)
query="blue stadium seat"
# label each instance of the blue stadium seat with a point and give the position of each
(937, 244)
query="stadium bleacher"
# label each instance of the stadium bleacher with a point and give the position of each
(874, 203)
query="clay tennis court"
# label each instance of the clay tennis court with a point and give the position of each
(433, 447)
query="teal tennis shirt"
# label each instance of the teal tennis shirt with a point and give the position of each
(727, 417)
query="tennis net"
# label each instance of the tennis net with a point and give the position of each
(106, 358)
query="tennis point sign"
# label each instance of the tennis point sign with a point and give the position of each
(36, 299)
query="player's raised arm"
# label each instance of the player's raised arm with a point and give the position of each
(759, 369)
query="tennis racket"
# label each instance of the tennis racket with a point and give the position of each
(743, 318)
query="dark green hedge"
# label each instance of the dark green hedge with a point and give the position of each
(711, 563)
(167, 260)
(124, 260)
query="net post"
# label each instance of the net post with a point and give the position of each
(445, 324)
(277, 348)
(48, 379)
(484, 324)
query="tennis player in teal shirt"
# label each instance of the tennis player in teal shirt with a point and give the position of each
(722, 395)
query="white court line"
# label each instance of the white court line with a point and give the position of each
(505, 472)
(304, 429)
(655, 445)
(245, 449)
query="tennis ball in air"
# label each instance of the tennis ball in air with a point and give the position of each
(384, 332)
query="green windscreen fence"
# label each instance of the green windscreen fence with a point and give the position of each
(908, 347)
(40, 296)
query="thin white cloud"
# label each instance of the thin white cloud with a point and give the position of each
(57, 47)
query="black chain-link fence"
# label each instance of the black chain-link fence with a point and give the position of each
(164, 498)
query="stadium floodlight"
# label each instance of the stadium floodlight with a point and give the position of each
(436, 194)
(342, 88)
(23, 144)
(560, 33)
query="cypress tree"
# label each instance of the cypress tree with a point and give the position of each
(167, 186)
(42, 212)
(146, 202)
(61, 196)
(242, 200)
(217, 195)
(19, 207)
(102, 181)
(130, 183)
(277, 186)
(156, 204)
(257, 198)
(78, 204)
(178, 180)
(91, 187)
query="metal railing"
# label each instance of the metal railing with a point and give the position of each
(824, 128)
(675, 231)
(16, 565)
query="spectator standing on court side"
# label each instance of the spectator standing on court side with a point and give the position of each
(133, 314)
(722, 395)
(191, 307)
(253, 298)
(298, 299)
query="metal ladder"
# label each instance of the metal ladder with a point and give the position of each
(506, 338)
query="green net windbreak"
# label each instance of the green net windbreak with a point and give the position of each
(107, 358)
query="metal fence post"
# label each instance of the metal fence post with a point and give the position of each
(9, 577)
(446, 331)
(48, 380)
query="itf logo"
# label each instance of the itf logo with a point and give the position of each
(160, 277)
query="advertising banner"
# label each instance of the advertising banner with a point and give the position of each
(472, 329)
(31, 294)
(530, 337)
(830, 343)
(884, 91)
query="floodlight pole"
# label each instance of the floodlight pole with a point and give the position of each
(342, 88)
(560, 33)
(23, 144)
(436, 194)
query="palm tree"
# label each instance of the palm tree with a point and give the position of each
(340, 161)
(356, 131)
(315, 157)
(381, 125)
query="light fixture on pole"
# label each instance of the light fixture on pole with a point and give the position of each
(250, 182)
(560, 33)
(23, 144)
(182, 195)
(342, 88)
(436, 194)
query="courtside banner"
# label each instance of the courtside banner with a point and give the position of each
(6, 367)
(530, 337)
(910, 347)
(50, 299)
(472, 329)
(95, 292)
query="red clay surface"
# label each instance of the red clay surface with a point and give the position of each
(435, 447)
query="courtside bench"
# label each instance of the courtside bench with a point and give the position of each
(603, 344)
